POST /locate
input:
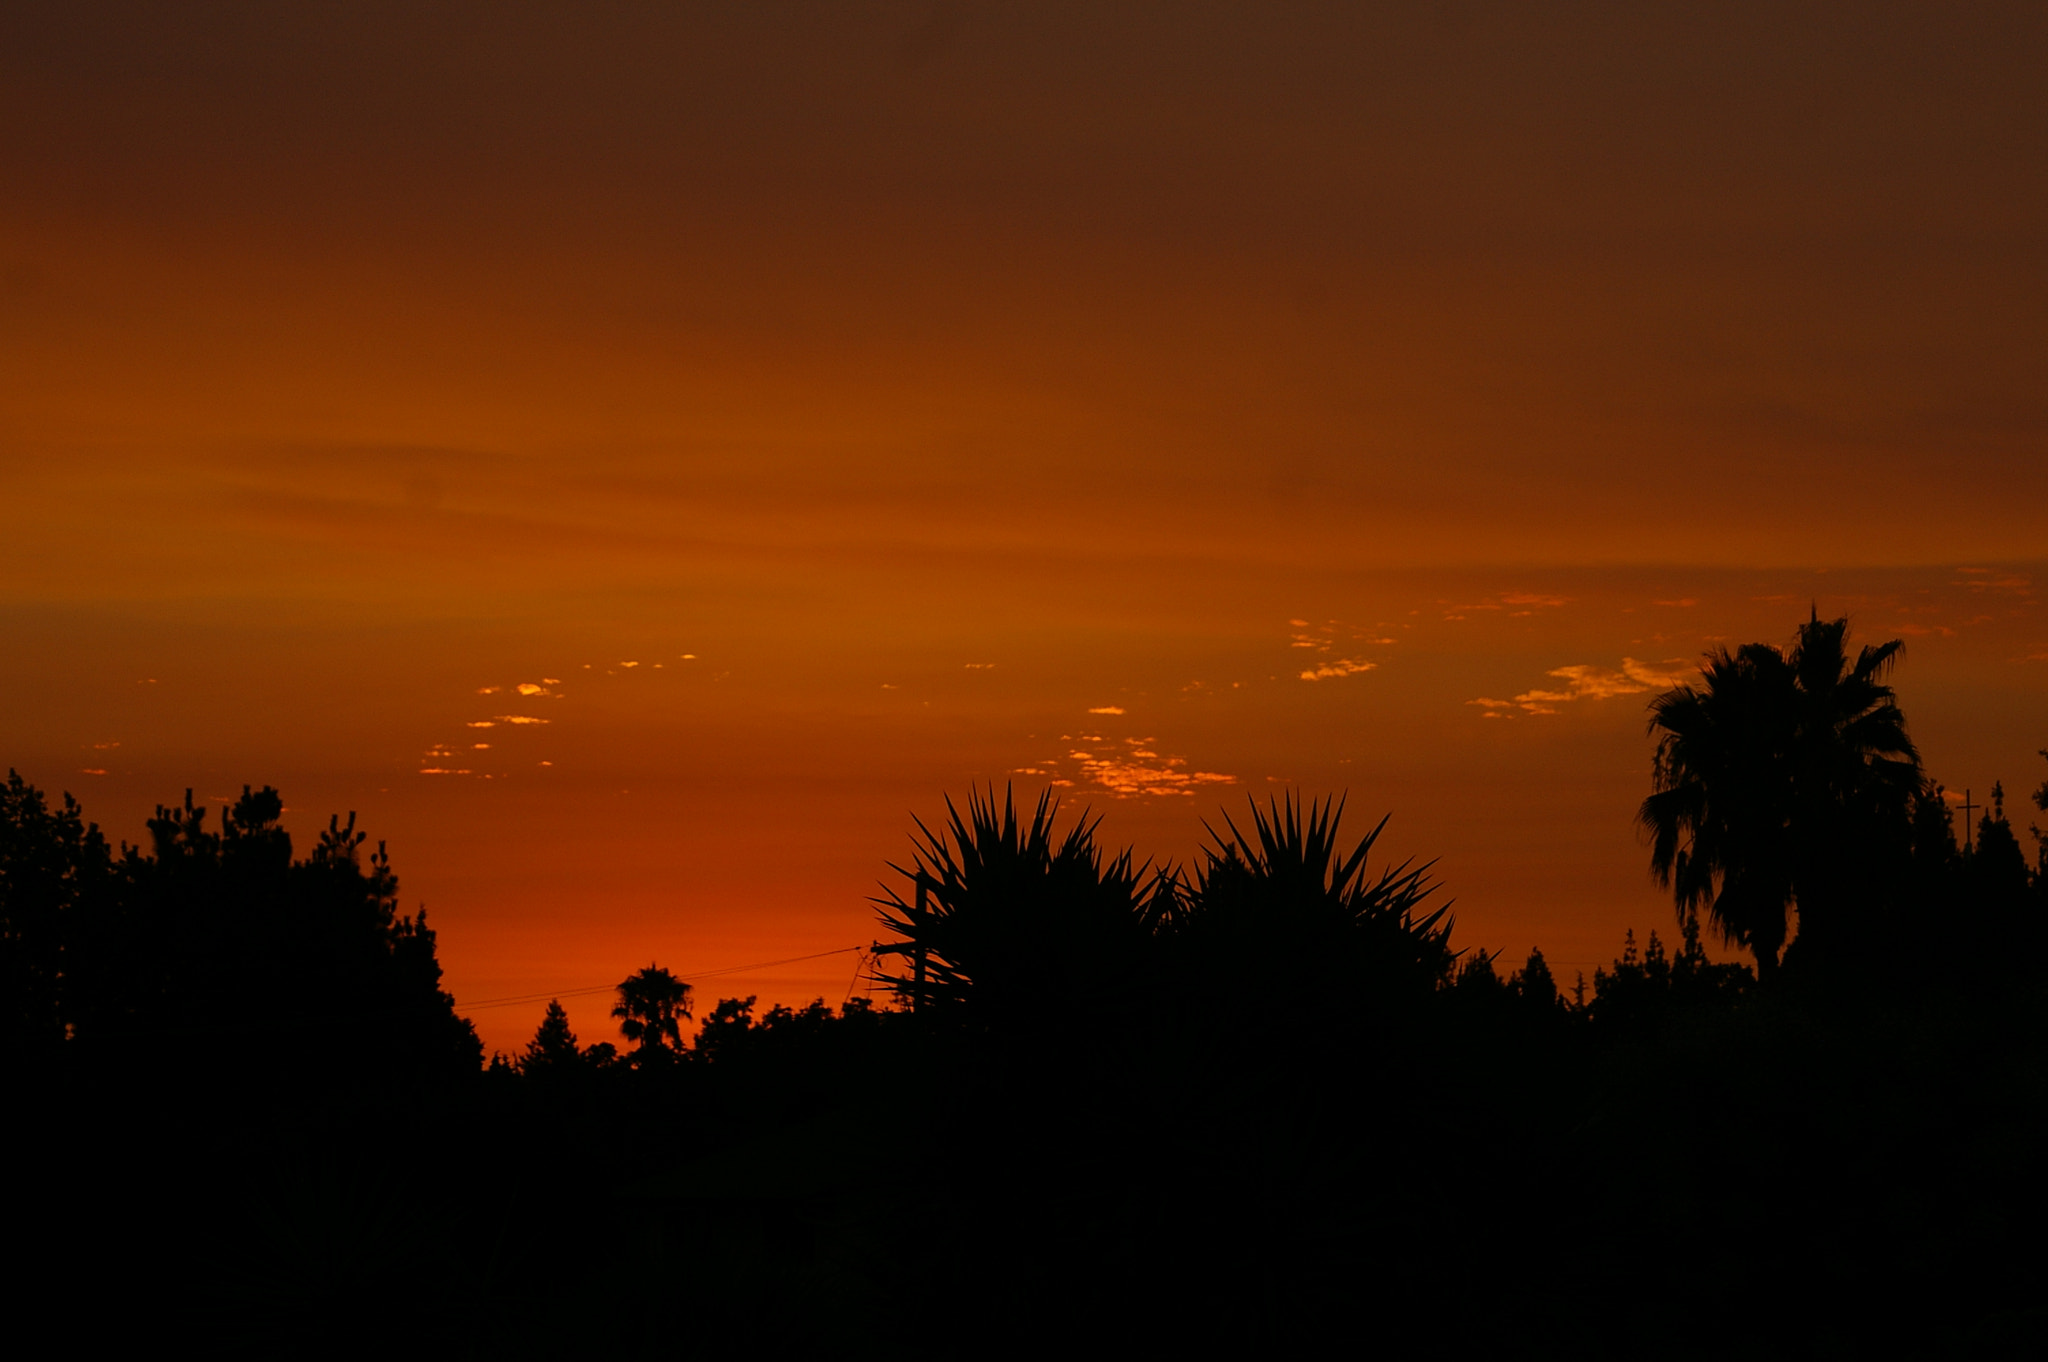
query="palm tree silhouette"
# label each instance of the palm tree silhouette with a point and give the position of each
(1774, 783)
(651, 1007)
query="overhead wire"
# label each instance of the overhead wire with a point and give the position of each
(686, 978)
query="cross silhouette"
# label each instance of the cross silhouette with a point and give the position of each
(1967, 825)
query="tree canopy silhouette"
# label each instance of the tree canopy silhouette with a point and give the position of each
(218, 952)
(1782, 781)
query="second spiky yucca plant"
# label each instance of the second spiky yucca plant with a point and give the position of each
(1286, 911)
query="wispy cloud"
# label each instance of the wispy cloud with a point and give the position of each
(1584, 681)
(1323, 638)
(515, 719)
(1991, 580)
(1107, 709)
(433, 758)
(1143, 771)
(1515, 603)
(1126, 769)
(1343, 666)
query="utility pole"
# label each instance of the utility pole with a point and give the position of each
(920, 917)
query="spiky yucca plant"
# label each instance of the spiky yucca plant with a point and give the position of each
(1288, 907)
(1006, 919)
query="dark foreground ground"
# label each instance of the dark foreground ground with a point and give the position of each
(1795, 1176)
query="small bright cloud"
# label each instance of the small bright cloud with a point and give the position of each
(517, 719)
(1589, 682)
(488, 690)
(1984, 579)
(482, 723)
(92, 770)
(1343, 666)
(1125, 770)
(629, 664)
(689, 657)
(1107, 709)
(1595, 683)
(1661, 675)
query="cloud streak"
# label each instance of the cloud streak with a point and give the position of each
(1343, 666)
(1584, 681)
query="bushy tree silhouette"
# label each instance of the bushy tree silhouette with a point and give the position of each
(725, 1029)
(217, 953)
(1781, 780)
(52, 864)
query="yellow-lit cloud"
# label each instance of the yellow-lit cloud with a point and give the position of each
(1343, 666)
(1589, 682)
(1129, 770)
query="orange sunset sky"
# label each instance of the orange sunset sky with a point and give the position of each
(638, 455)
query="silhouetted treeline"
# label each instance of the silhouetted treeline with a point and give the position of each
(215, 954)
(1262, 1104)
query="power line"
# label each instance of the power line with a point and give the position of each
(686, 978)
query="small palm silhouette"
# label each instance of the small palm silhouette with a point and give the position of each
(652, 1006)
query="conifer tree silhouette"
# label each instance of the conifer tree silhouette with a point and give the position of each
(553, 1048)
